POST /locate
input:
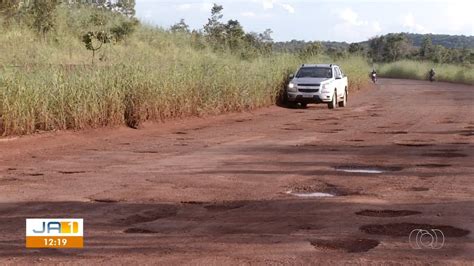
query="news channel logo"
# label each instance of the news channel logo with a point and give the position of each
(54, 233)
(427, 239)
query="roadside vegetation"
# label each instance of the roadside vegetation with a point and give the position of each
(70, 65)
(93, 66)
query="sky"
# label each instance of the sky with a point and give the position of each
(320, 20)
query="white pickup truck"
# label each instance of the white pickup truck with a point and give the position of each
(319, 84)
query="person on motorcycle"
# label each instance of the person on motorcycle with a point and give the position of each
(373, 75)
(432, 74)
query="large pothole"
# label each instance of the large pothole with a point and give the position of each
(347, 245)
(317, 189)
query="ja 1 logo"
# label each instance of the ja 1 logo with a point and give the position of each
(54, 233)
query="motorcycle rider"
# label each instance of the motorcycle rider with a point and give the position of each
(373, 75)
(432, 74)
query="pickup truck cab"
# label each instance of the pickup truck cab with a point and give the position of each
(319, 84)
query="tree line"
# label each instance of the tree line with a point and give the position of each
(227, 36)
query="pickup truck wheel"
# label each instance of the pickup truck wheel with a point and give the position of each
(343, 103)
(333, 104)
(304, 105)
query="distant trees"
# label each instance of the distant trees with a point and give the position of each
(230, 35)
(389, 48)
(181, 27)
(356, 48)
(310, 50)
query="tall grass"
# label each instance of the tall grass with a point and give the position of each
(419, 70)
(153, 75)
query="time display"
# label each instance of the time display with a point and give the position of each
(55, 242)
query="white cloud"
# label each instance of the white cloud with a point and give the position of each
(248, 14)
(351, 17)
(288, 8)
(184, 6)
(353, 28)
(410, 24)
(270, 4)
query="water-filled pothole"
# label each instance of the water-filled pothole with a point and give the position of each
(347, 245)
(361, 169)
(316, 188)
(310, 194)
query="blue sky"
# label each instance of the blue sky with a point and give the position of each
(336, 20)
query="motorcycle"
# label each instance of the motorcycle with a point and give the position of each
(432, 78)
(374, 78)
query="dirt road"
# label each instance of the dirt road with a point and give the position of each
(237, 189)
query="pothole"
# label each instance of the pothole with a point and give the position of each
(104, 200)
(225, 206)
(434, 165)
(404, 229)
(150, 215)
(71, 172)
(242, 120)
(193, 202)
(415, 144)
(445, 155)
(361, 169)
(314, 188)
(347, 245)
(146, 152)
(292, 129)
(387, 213)
(138, 231)
(310, 194)
(36, 174)
(395, 132)
(419, 189)
(180, 133)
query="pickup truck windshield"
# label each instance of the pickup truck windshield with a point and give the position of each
(314, 72)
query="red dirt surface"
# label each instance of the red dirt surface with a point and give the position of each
(214, 190)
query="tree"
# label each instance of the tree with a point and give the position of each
(266, 36)
(214, 29)
(355, 48)
(124, 29)
(181, 27)
(311, 50)
(94, 40)
(426, 49)
(126, 7)
(43, 12)
(389, 48)
(233, 34)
